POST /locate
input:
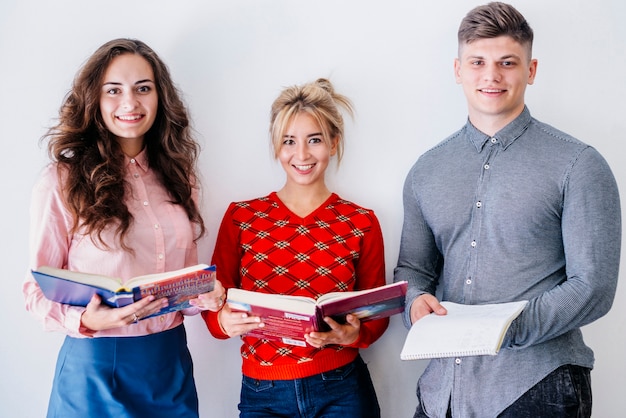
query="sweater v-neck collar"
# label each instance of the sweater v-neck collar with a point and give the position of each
(331, 198)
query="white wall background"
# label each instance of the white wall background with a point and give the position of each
(393, 58)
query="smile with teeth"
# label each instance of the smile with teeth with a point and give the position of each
(129, 118)
(304, 167)
(492, 90)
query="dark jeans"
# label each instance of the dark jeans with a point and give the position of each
(564, 393)
(344, 392)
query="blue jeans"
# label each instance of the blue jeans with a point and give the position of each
(564, 393)
(344, 392)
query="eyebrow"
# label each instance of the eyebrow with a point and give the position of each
(504, 57)
(114, 83)
(308, 136)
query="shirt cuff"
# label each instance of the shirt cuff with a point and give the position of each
(74, 324)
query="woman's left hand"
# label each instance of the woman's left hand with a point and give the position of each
(213, 300)
(339, 334)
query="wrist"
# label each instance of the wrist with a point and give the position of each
(219, 322)
(83, 329)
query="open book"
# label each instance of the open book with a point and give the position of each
(287, 318)
(77, 288)
(466, 330)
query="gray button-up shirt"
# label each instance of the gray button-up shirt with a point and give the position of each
(528, 214)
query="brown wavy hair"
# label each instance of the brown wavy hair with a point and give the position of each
(93, 185)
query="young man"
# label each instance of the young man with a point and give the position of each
(506, 209)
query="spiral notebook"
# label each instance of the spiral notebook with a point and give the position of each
(466, 330)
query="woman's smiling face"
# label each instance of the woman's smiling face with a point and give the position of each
(304, 153)
(129, 100)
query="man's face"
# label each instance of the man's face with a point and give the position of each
(494, 73)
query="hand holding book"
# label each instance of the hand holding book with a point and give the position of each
(344, 333)
(236, 323)
(98, 316)
(210, 301)
(465, 330)
(289, 318)
(177, 288)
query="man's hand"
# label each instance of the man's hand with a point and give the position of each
(425, 305)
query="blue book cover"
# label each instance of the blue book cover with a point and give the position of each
(77, 288)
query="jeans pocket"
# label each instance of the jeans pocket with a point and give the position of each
(257, 385)
(340, 373)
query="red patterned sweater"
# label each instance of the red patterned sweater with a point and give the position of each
(263, 246)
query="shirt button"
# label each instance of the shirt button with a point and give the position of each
(136, 175)
(473, 244)
(145, 203)
(479, 204)
(486, 166)
(457, 360)
(468, 281)
(132, 161)
(494, 140)
(156, 226)
(161, 256)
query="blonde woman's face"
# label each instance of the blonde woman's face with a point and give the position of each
(304, 152)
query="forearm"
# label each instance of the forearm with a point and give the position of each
(591, 233)
(212, 322)
(418, 259)
(53, 316)
(568, 306)
(227, 259)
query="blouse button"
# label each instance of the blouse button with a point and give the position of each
(135, 175)
(145, 203)
(132, 161)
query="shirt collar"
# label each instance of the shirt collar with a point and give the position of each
(140, 159)
(504, 136)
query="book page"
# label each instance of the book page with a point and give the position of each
(245, 299)
(115, 284)
(334, 296)
(466, 330)
(155, 277)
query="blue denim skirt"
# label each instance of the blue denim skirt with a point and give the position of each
(147, 376)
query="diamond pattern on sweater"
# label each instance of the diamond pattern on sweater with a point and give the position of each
(279, 252)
